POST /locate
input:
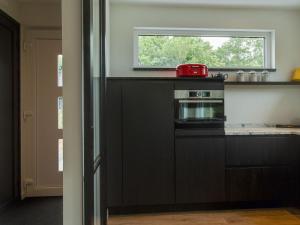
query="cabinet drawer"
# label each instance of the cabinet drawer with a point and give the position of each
(260, 150)
(279, 183)
(244, 184)
(262, 184)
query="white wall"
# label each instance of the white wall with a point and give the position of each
(11, 7)
(107, 38)
(42, 15)
(71, 21)
(243, 104)
(263, 104)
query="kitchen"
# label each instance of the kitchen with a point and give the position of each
(156, 163)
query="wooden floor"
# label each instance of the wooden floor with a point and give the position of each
(234, 217)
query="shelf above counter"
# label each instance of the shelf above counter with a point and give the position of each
(281, 83)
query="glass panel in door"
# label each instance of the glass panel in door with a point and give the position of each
(94, 78)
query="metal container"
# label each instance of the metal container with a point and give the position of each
(253, 76)
(265, 76)
(240, 76)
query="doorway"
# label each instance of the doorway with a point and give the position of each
(42, 108)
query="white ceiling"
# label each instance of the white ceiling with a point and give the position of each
(38, 1)
(226, 3)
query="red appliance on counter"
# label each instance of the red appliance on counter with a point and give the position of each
(192, 70)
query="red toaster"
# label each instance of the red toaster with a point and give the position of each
(192, 70)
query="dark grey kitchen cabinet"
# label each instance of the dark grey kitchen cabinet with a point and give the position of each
(152, 163)
(261, 184)
(200, 169)
(260, 150)
(244, 184)
(262, 168)
(114, 136)
(148, 143)
(279, 183)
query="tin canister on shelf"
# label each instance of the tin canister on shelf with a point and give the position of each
(265, 76)
(253, 76)
(240, 76)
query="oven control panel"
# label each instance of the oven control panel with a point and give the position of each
(199, 94)
(195, 94)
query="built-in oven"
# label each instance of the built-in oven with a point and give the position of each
(199, 108)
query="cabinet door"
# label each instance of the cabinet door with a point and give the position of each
(148, 143)
(200, 169)
(244, 184)
(278, 183)
(262, 184)
(259, 150)
(114, 143)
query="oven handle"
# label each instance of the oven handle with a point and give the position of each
(200, 101)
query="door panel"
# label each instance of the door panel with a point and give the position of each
(9, 110)
(6, 116)
(244, 184)
(42, 126)
(200, 169)
(262, 184)
(148, 143)
(48, 132)
(93, 111)
(259, 150)
(278, 183)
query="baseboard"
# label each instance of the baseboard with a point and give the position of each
(44, 192)
(197, 207)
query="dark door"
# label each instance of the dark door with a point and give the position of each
(148, 140)
(200, 169)
(9, 110)
(94, 92)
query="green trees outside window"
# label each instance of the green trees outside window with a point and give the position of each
(215, 52)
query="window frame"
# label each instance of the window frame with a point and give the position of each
(268, 35)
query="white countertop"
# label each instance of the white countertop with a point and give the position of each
(261, 131)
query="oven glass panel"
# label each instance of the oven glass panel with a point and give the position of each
(200, 110)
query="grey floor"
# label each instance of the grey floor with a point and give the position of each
(34, 211)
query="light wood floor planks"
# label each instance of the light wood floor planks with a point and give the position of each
(232, 217)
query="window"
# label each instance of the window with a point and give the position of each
(217, 48)
(60, 108)
(60, 155)
(60, 71)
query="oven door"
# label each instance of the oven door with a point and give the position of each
(199, 110)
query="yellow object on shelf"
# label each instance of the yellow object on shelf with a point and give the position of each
(296, 75)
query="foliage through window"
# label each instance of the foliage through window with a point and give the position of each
(233, 49)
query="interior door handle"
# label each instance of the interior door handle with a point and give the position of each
(97, 163)
(27, 114)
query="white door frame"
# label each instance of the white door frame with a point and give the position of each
(29, 187)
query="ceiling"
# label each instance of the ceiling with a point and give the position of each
(226, 3)
(38, 1)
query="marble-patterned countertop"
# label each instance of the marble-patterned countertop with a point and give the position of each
(259, 130)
